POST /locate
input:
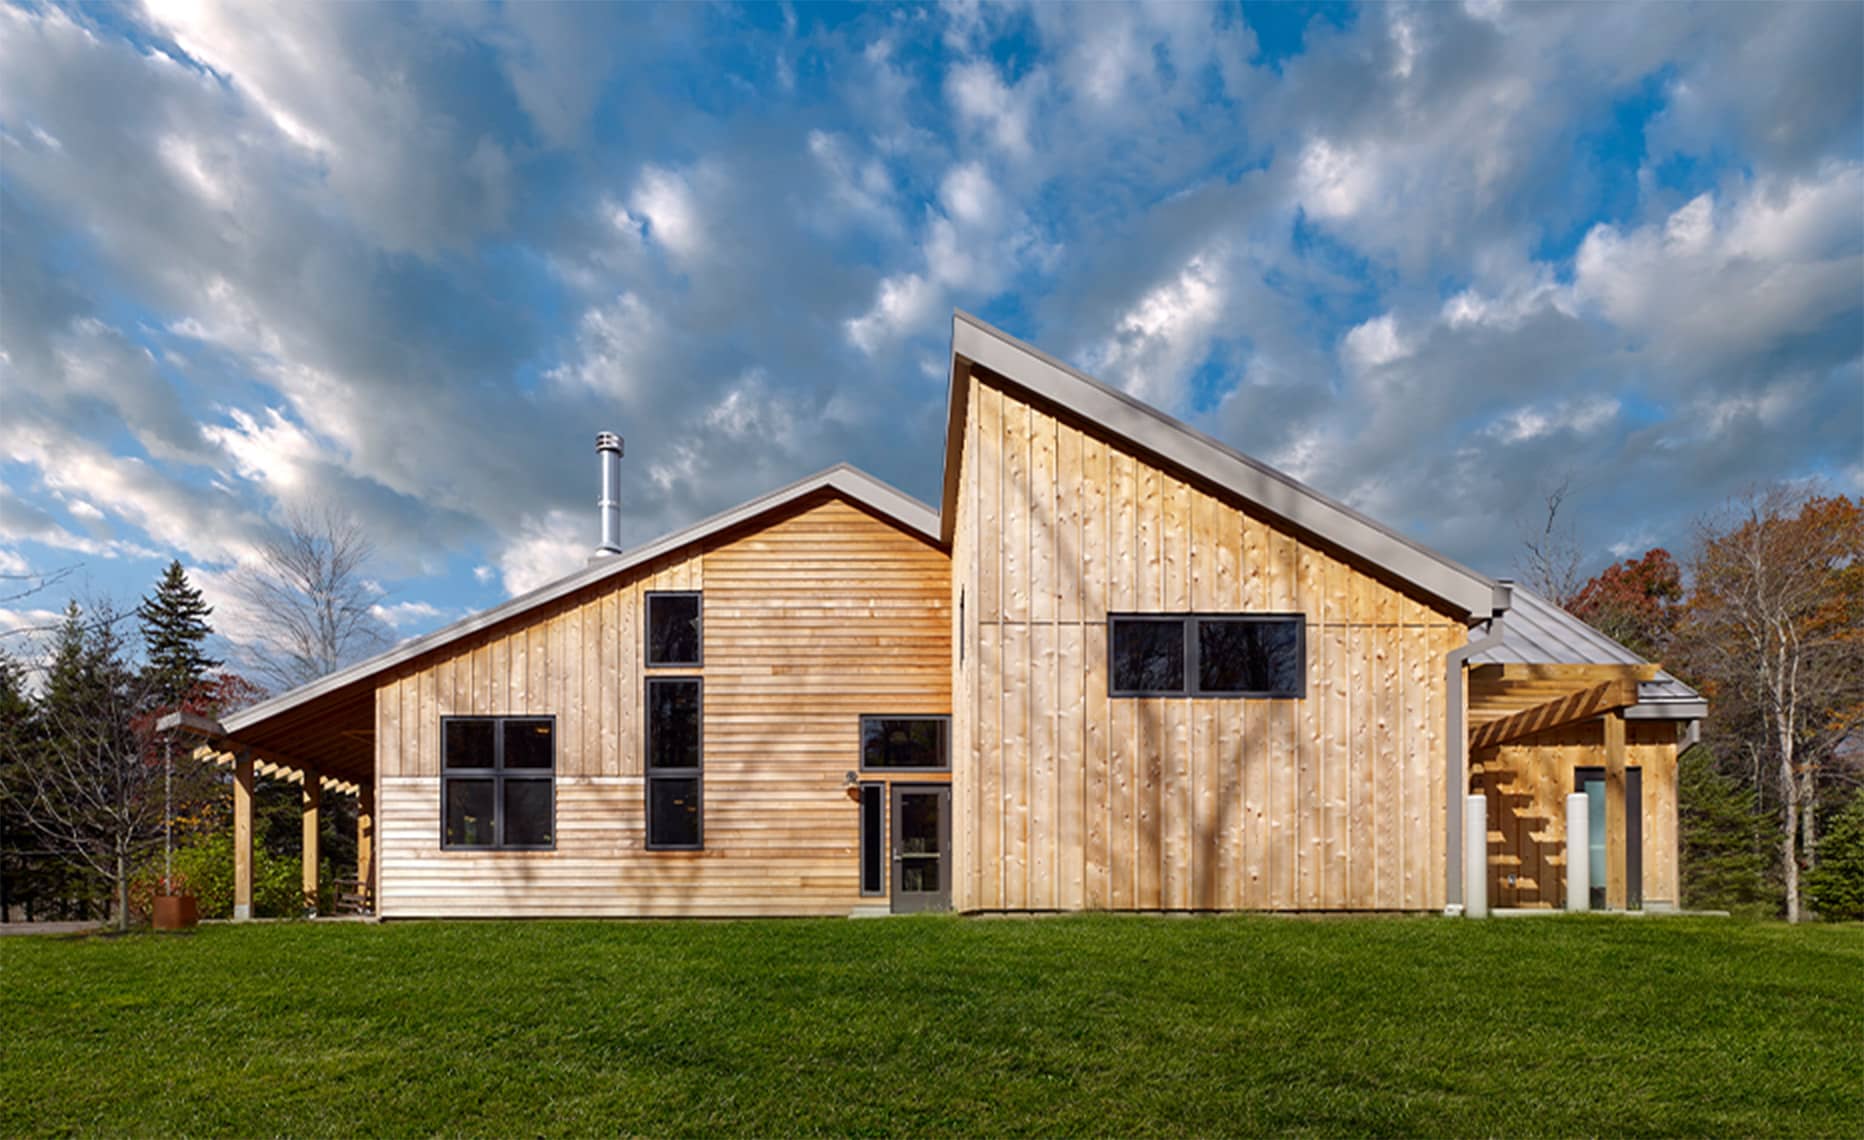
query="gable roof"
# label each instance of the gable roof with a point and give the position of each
(1148, 429)
(1537, 632)
(907, 512)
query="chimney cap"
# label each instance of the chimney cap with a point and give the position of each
(608, 441)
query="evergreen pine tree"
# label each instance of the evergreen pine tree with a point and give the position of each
(1723, 839)
(174, 624)
(1835, 885)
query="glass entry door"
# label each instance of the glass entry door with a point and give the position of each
(921, 847)
(1591, 781)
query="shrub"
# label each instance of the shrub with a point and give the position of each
(205, 864)
(1835, 885)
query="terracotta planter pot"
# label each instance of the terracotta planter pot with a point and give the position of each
(176, 912)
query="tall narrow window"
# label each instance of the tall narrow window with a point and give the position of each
(675, 633)
(873, 839)
(675, 735)
(498, 783)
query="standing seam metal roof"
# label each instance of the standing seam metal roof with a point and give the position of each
(1537, 632)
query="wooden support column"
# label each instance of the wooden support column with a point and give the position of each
(242, 836)
(1615, 866)
(308, 854)
(365, 842)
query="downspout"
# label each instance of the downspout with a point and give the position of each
(1456, 743)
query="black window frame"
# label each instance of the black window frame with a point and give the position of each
(943, 718)
(647, 630)
(1192, 674)
(695, 773)
(499, 775)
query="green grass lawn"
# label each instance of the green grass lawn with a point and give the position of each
(1088, 1025)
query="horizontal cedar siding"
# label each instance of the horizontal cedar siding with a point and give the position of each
(810, 621)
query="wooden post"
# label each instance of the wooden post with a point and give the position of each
(1615, 867)
(365, 842)
(308, 854)
(242, 836)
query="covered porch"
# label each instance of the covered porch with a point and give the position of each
(324, 743)
(1556, 710)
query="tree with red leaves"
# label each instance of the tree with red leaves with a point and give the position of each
(1635, 602)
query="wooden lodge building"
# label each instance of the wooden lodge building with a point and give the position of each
(1121, 667)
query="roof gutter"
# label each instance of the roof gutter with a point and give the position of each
(1456, 745)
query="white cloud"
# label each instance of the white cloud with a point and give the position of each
(1721, 276)
(1575, 416)
(665, 198)
(1375, 343)
(549, 546)
(1335, 181)
(401, 615)
(905, 303)
(981, 98)
(1167, 333)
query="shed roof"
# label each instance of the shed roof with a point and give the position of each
(1537, 632)
(1472, 595)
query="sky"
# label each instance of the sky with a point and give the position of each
(1434, 260)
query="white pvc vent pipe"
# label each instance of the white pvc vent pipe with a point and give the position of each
(1578, 852)
(1476, 857)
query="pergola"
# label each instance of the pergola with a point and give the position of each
(323, 744)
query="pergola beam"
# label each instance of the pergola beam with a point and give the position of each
(1515, 672)
(1606, 696)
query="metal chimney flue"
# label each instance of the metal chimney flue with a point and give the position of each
(608, 447)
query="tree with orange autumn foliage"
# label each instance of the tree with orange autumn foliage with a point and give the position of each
(1634, 602)
(1773, 633)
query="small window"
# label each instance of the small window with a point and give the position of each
(1148, 655)
(674, 634)
(873, 839)
(1250, 656)
(913, 743)
(675, 748)
(1207, 655)
(498, 783)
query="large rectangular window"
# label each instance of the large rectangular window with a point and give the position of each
(1207, 655)
(906, 743)
(675, 738)
(675, 631)
(498, 783)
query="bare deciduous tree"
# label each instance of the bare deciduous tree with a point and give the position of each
(1550, 566)
(1776, 630)
(309, 600)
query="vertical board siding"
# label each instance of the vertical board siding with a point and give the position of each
(1526, 782)
(1333, 802)
(811, 620)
